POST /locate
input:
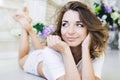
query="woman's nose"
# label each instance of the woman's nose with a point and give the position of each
(71, 30)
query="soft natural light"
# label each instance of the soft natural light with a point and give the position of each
(1, 2)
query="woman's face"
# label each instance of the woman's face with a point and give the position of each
(73, 30)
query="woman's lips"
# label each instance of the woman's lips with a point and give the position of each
(71, 38)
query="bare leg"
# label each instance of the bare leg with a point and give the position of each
(25, 21)
(23, 48)
(24, 42)
(35, 40)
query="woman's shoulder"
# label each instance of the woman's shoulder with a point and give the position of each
(99, 59)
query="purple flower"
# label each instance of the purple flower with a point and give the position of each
(108, 9)
(112, 28)
(47, 30)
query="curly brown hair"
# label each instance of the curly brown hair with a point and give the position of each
(99, 33)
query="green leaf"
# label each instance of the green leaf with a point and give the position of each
(39, 27)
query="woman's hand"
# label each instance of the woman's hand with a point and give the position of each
(87, 41)
(55, 42)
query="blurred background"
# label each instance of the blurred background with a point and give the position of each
(45, 11)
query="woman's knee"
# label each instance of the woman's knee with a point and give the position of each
(21, 61)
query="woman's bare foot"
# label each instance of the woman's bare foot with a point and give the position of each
(26, 13)
(23, 21)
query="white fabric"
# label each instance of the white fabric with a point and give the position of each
(97, 66)
(53, 66)
(32, 62)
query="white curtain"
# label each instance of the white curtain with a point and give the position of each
(37, 9)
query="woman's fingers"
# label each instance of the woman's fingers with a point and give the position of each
(53, 40)
(87, 41)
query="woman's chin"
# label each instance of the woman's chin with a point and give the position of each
(73, 45)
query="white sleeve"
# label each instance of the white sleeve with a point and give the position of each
(97, 65)
(53, 66)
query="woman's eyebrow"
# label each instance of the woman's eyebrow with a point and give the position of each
(76, 21)
(64, 21)
(79, 22)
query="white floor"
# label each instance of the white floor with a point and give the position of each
(9, 69)
(111, 67)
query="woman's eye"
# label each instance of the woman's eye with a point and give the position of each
(80, 25)
(65, 24)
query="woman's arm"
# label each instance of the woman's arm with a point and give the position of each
(71, 71)
(70, 66)
(87, 68)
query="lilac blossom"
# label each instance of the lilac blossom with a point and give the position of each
(46, 31)
(112, 28)
(108, 9)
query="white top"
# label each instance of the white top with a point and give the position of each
(97, 65)
(53, 66)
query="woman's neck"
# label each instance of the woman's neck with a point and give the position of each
(76, 51)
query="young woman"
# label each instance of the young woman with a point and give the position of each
(75, 51)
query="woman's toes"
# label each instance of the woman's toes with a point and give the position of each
(17, 17)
